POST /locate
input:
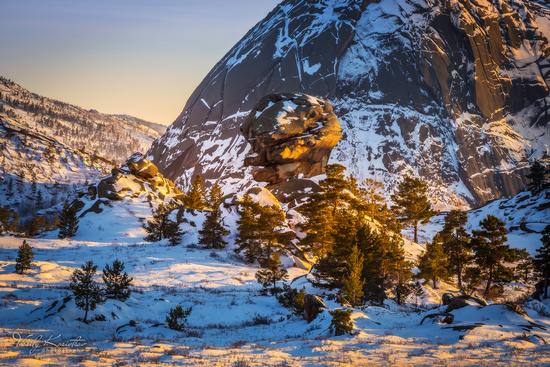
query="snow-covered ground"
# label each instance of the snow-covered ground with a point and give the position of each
(231, 322)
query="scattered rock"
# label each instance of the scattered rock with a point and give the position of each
(313, 305)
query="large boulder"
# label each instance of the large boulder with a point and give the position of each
(141, 167)
(291, 135)
(454, 91)
(313, 305)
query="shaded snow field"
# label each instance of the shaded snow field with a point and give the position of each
(231, 323)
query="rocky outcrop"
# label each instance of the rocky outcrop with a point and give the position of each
(455, 91)
(136, 177)
(313, 306)
(291, 135)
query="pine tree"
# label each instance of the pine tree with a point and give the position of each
(433, 263)
(177, 318)
(492, 253)
(68, 222)
(8, 219)
(456, 243)
(341, 322)
(332, 268)
(87, 293)
(271, 272)
(418, 292)
(322, 208)
(374, 248)
(401, 276)
(259, 230)
(542, 261)
(161, 227)
(247, 243)
(352, 290)
(23, 262)
(412, 204)
(117, 282)
(537, 177)
(196, 197)
(213, 231)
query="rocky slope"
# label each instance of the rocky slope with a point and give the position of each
(453, 90)
(49, 148)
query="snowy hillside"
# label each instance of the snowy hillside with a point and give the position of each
(455, 91)
(231, 322)
(112, 137)
(49, 149)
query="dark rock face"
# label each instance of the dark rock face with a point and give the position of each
(455, 91)
(313, 305)
(291, 135)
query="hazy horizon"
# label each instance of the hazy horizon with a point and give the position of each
(143, 58)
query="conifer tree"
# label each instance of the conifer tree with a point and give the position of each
(68, 222)
(213, 231)
(537, 176)
(161, 227)
(412, 204)
(23, 262)
(271, 272)
(8, 219)
(248, 245)
(260, 231)
(456, 243)
(117, 282)
(374, 249)
(87, 293)
(177, 318)
(196, 197)
(352, 290)
(322, 208)
(492, 253)
(542, 261)
(332, 268)
(433, 263)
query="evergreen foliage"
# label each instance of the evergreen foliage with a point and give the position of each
(491, 253)
(161, 227)
(538, 177)
(456, 243)
(341, 322)
(212, 232)
(352, 289)
(9, 220)
(25, 255)
(293, 299)
(260, 231)
(271, 272)
(117, 282)
(433, 264)
(542, 261)
(412, 204)
(196, 197)
(68, 222)
(177, 318)
(87, 293)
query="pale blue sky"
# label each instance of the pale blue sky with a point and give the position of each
(141, 57)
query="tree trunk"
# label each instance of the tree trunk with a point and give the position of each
(86, 315)
(488, 286)
(416, 232)
(434, 281)
(459, 276)
(545, 287)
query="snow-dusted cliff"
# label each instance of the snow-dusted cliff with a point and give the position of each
(453, 90)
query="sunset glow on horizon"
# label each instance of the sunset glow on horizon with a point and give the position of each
(143, 58)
